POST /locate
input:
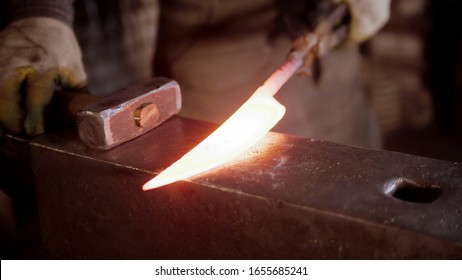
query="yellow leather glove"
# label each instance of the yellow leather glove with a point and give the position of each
(36, 55)
(367, 17)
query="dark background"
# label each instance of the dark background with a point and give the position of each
(414, 75)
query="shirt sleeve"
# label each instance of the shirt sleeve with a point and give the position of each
(58, 9)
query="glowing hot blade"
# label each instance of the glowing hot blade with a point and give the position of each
(242, 130)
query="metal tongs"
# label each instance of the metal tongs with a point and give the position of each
(328, 34)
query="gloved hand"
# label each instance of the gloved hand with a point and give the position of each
(367, 17)
(36, 54)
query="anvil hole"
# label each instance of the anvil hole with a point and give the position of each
(412, 190)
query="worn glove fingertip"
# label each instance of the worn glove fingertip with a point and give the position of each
(33, 127)
(39, 92)
(72, 80)
(10, 121)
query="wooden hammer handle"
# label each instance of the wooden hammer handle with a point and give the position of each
(72, 102)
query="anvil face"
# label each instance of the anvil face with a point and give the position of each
(286, 198)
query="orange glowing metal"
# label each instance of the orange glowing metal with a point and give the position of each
(242, 130)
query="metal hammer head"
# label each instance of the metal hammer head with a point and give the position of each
(128, 113)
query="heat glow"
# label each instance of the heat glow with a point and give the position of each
(243, 129)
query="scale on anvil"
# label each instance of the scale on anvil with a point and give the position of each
(260, 113)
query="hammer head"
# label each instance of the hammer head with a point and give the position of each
(128, 113)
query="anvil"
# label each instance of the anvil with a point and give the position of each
(287, 197)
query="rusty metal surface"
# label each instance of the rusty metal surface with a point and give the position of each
(287, 197)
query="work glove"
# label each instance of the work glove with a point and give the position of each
(36, 55)
(367, 17)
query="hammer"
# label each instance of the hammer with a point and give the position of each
(105, 122)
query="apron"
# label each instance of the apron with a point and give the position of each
(220, 52)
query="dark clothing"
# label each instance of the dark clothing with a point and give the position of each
(57, 9)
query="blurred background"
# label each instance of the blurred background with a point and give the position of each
(413, 72)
